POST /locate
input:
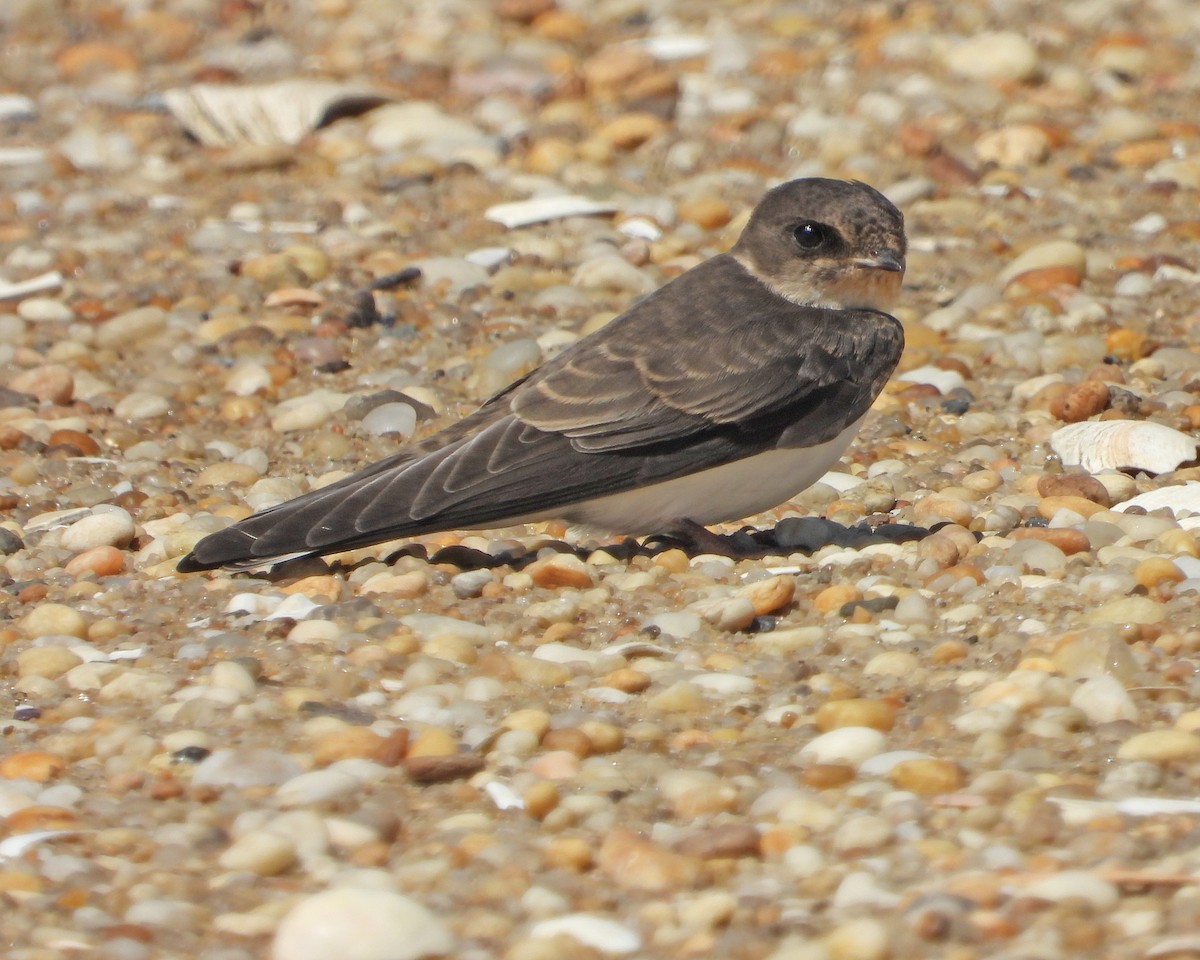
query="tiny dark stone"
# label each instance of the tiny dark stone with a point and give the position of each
(874, 605)
(1123, 400)
(352, 715)
(956, 405)
(10, 542)
(1035, 522)
(193, 754)
(363, 311)
(763, 624)
(14, 398)
(27, 711)
(398, 279)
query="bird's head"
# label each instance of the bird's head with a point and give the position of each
(826, 243)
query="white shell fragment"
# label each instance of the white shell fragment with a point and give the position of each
(522, 213)
(841, 482)
(503, 796)
(1122, 445)
(220, 115)
(24, 288)
(675, 46)
(946, 381)
(1183, 500)
(271, 607)
(599, 933)
(14, 106)
(20, 156)
(16, 845)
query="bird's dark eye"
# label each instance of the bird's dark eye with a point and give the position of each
(811, 234)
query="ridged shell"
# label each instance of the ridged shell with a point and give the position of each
(274, 114)
(1099, 445)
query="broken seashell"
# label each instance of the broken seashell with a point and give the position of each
(945, 381)
(675, 46)
(25, 288)
(523, 213)
(15, 106)
(21, 156)
(1181, 499)
(1099, 445)
(220, 115)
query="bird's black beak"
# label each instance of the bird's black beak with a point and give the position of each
(890, 260)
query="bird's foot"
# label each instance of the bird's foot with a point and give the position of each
(693, 538)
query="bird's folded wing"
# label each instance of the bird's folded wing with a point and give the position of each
(674, 367)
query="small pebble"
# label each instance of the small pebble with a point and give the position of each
(1161, 746)
(850, 745)
(360, 924)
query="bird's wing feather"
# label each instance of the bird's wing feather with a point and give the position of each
(645, 380)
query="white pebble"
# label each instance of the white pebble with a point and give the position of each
(316, 786)
(134, 327)
(262, 852)
(993, 56)
(358, 924)
(681, 624)
(44, 310)
(1073, 885)
(247, 379)
(244, 767)
(1104, 699)
(725, 684)
(945, 381)
(850, 745)
(1052, 253)
(599, 933)
(861, 889)
(398, 419)
(307, 412)
(141, 406)
(432, 626)
(400, 125)
(455, 273)
(231, 675)
(1151, 223)
(862, 833)
(1133, 285)
(173, 914)
(611, 272)
(107, 527)
(881, 764)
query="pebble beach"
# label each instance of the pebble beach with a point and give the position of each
(247, 248)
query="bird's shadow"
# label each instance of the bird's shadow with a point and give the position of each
(791, 535)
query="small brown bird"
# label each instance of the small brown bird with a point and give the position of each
(722, 394)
